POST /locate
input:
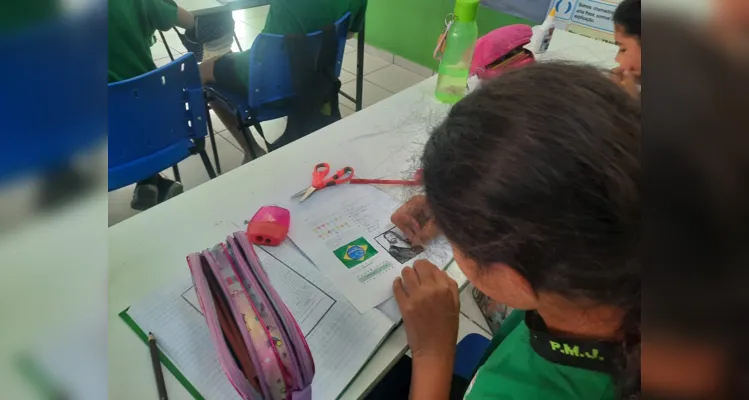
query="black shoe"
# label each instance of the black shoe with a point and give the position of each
(145, 196)
(168, 189)
(63, 185)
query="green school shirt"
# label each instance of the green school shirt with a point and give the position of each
(513, 370)
(21, 14)
(287, 17)
(131, 26)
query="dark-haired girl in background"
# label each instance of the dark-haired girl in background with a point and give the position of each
(539, 197)
(627, 34)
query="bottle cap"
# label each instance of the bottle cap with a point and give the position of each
(465, 10)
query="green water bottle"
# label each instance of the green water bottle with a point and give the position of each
(459, 46)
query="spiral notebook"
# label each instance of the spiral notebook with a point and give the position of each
(340, 338)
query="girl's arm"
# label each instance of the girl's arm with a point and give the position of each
(185, 19)
(428, 301)
(431, 378)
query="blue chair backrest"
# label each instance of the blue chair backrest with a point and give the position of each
(468, 354)
(270, 75)
(158, 112)
(53, 104)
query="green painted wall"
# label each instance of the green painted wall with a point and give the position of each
(410, 28)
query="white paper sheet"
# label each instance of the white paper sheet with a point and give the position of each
(340, 338)
(346, 232)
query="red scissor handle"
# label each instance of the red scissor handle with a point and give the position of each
(320, 176)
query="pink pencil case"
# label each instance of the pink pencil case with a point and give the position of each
(260, 346)
(501, 50)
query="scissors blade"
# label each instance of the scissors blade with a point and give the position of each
(299, 193)
(307, 193)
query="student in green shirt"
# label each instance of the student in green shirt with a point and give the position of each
(539, 196)
(285, 17)
(131, 28)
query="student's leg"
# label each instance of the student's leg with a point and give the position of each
(218, 71)
(396, 385)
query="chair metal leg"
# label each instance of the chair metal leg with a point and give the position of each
(346, 95)
(199, 149)
(246, 135)
(360, 68)
(259, 129)
(239, 46)
(248, 139)
(168, 50)
(207, 163)
(177, 177)
(213, 139)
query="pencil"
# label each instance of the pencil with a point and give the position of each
(508, 60)
(157, 366)
(409, 182)
(358, 181)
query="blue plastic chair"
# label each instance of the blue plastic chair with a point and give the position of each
(53, 110)
(469, 352)
(155, 121)
(270, 79)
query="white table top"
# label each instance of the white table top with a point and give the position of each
(203, 7)
(148, 250)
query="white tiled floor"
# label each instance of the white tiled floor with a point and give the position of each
(394, 78)
(382, 79)
(471, 310)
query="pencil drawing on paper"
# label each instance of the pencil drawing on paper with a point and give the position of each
(394, 241)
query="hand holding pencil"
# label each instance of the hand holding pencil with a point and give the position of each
(415, 219)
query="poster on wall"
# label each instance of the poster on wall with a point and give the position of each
(591, 18)
(534, 10)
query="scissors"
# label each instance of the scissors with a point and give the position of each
(320, 179)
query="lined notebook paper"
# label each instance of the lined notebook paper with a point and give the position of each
(340, 338)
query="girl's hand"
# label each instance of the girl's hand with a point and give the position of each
(429, 302)
(627, 80)
(415, 220)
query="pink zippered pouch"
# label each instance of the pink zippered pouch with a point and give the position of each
(501, 50)
(260, 346)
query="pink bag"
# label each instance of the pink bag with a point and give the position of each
(500, 50)
(260, 346)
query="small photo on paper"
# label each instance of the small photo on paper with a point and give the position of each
(395, 243)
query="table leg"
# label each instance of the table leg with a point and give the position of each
(168, 50)
(359, 68)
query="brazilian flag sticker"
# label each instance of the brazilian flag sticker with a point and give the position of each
(355, 253)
